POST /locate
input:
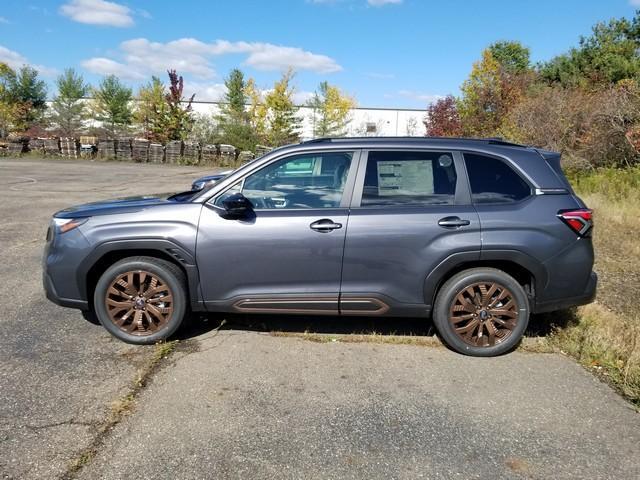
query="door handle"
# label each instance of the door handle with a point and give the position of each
(453, 222)
(325, 225)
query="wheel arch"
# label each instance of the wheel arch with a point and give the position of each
(106, 254)
(523, 268)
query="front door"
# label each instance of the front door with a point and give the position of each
(288, 256)
(411, 210)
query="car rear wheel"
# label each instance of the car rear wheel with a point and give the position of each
(141, 300)
(481, 312)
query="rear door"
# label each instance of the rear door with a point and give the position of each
(411, 209)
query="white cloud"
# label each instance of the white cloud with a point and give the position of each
(16, 61)
(189, 55)
(213, 92)
(380, 3)
(98, 12)
(420, 96)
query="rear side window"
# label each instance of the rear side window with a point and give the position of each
(409, 178)
(493, 181)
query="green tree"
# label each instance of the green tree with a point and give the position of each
(234, 119)
(330, 111)
(152, 111)
(608, 55)
(257, 111)
(513, 57)
(68, 108)
(284, 124)
(26, 96)
(112, 105)
(180, 112)
(7, 103)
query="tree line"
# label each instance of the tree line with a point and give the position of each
(160, 112)
(584, 103)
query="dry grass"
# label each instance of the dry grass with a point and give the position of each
(606, 335)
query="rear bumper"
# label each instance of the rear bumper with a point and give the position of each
(586, 297)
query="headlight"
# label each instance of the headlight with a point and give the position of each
(64, 225)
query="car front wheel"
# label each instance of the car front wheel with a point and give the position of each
(481, 312)
(141, 300)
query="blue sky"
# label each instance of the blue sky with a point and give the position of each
(392, 53)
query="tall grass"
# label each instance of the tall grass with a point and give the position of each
(605, 336)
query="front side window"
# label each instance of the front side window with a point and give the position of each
(409, 178)
(493, 181)
(314, 180)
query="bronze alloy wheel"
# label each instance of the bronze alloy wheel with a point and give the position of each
(139, 302)
(484, 314)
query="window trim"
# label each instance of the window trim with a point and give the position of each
(462, 194)
(511, 165)
(356, 154)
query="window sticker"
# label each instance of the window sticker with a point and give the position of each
(405, 177)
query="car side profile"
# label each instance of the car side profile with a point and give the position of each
(476, 233)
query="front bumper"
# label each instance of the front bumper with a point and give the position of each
(50, 291)
(586, 297)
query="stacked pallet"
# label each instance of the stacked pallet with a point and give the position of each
(69, 147)
(36, 145)
(173, 151)
(123, 149)
(88, 146)
(106, 149)
(245, 156)
(51, 146)
(209, 153)
(191, 153)
(156, 153)
(140, 149)
(227, 155)
(261, 150)
(16, 148)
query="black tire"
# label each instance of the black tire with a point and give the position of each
(168, 273)
(449, 311)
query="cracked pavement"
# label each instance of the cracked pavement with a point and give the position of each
(239, 403)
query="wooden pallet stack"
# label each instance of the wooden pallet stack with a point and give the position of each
(88, 146)
(261, 150)
(227, 155)
(140, 150)
(68, 147)
(209, 154)
(191, 153)
(51, 146)
(123, 149)
(245, 156)
(36, 145)
(15, 148)
(156, 153)
(173, 151)
(106, 149)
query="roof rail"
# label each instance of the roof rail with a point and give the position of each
(489, 141)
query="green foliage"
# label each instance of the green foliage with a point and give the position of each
(152, 110)
(23, 98)
(330, 111)
(112, 105)
(615, 184)
(284, 124)
(234, 122)
(608, 55)
(68, 108)
(512, 56)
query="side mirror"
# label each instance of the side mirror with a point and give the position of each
(237, 205)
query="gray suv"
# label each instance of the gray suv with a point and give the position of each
(476, 233)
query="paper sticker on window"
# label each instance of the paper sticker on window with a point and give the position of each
(405, 177)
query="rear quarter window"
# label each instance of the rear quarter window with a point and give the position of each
(494, 181)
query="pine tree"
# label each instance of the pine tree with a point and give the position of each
(330, 111)
(234, 120)
(284, 124)
(68, 106)
(112, 105)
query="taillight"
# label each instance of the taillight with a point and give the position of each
(580, 221)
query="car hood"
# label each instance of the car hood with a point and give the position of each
(110, 207)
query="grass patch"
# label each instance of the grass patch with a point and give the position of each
(605, 336)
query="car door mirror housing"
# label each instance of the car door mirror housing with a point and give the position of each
(237, 206)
